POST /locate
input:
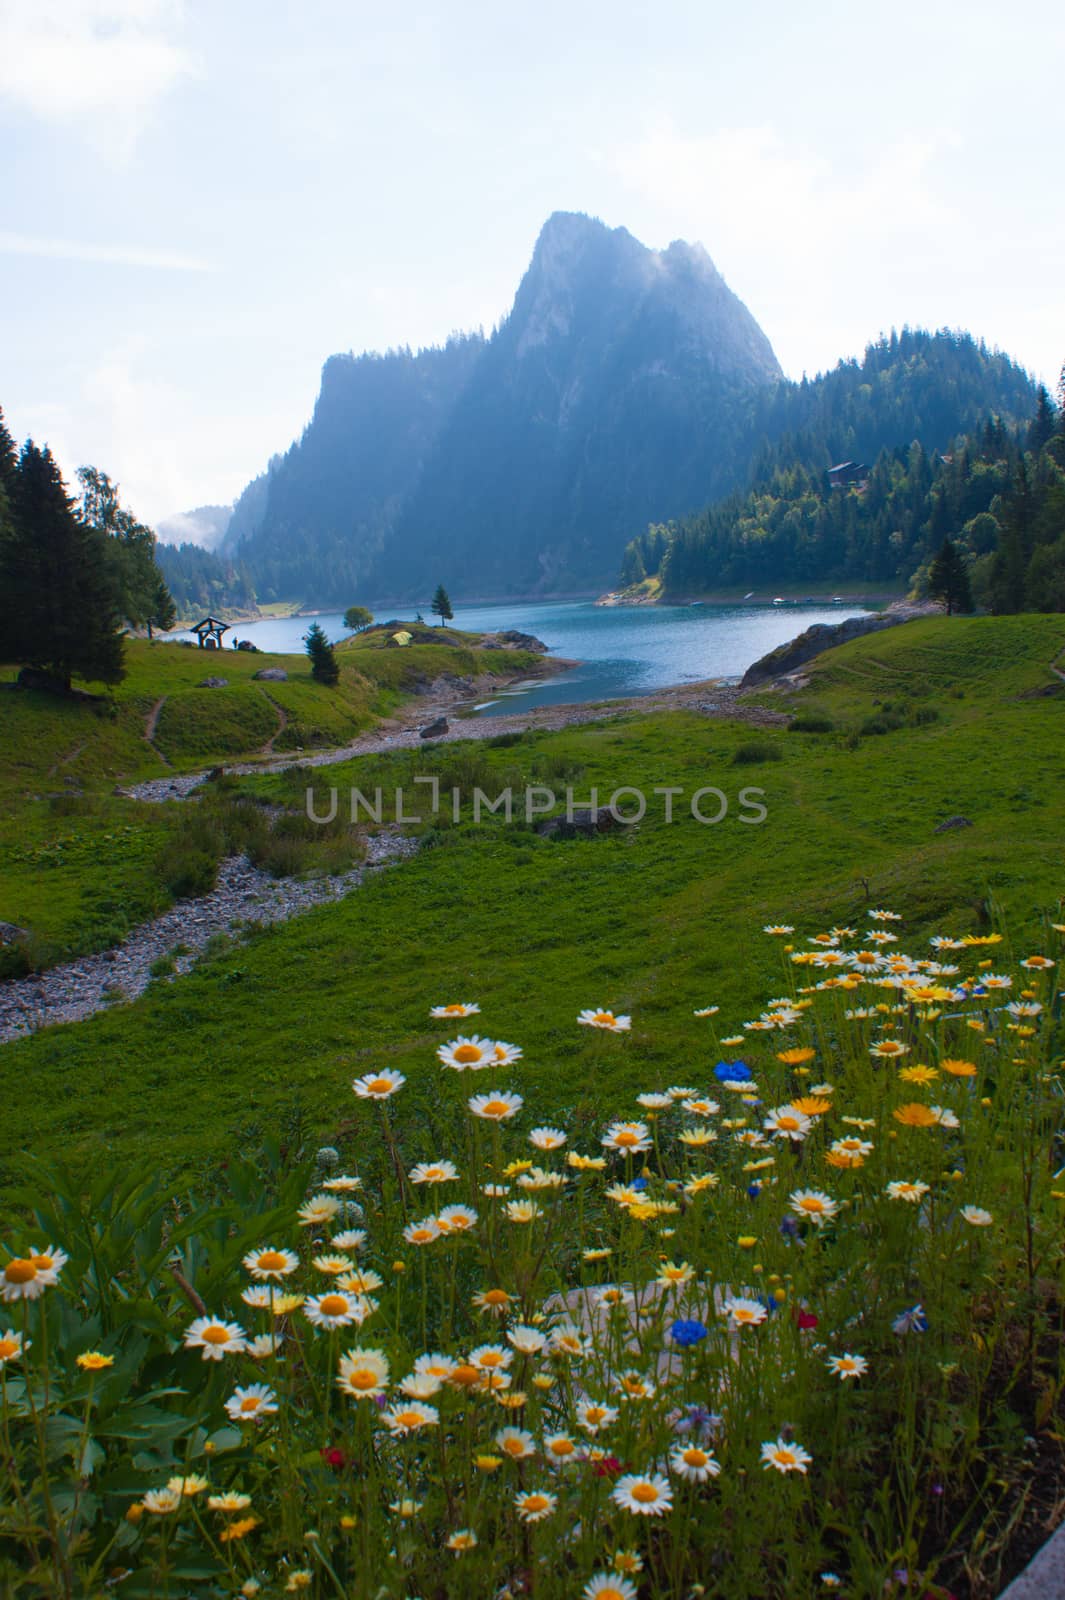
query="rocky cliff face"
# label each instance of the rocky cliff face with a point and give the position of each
(616, 392)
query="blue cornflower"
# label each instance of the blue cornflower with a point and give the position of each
(687, 1332)
(913, 1320)
(638, 1183)
(733, 1072)
(753, 1191)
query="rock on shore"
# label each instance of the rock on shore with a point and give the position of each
(824, 635)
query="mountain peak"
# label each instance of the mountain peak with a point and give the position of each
(602, 281)
(612, 395)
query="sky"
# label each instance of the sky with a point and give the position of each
(204, 200)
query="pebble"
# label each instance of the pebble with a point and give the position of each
(243, 894)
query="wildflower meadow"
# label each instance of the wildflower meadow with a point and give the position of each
(782, 1325)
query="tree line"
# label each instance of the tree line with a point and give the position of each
(75, 572)
(996, 493)
(200, 580)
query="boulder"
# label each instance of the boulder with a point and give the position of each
(584, 822)
(824, 635)
(9, 933)
(522, 641)
(271, 675)
(511, 639)
(213, 683)
(435, 730)
(952, 823)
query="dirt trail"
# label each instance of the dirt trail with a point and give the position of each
(282, 723)
(150, 726)
(153, 718)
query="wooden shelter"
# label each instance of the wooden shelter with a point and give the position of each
(209, 632)
(848, 475)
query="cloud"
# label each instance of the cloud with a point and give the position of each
(826, 252)
(20, 244)
(100, 63)
(169, 446)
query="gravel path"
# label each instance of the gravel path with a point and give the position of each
(712, 699)
(243, 894)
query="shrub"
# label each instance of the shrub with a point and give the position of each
(755, 751)
(15, 960)
(188, 870)
(811, 722)
(883, 722)
(553, 767)
(284, 857)
(71, 805)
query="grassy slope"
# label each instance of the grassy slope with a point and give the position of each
(78, 872)
(657, 921)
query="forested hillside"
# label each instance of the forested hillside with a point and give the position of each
(201, 580)
(907, 479)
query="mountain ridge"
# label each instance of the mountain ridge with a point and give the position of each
(625, 386)
(522, 459)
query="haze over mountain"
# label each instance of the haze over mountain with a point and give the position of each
(615, 391)
(626, 386)
(205, 526)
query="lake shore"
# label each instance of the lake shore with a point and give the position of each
(873, 599)
(403, 730)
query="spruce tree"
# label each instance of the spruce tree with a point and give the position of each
(948, 579)
(324, 667)
(441, 606)
(8, 468)
(633, 570)
(163, 610)
(1044, 424)
(59, 609)
(8, 481)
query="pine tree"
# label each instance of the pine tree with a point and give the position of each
(948, 579)
(8, 479)
(59, 604)
(163, 613)
(324, 666)
(1043, 425)
(632, 568)
(441, 606)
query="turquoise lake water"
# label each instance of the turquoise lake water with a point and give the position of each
(623, 650)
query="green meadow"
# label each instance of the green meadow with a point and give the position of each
(937, 719)
(81, 866)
